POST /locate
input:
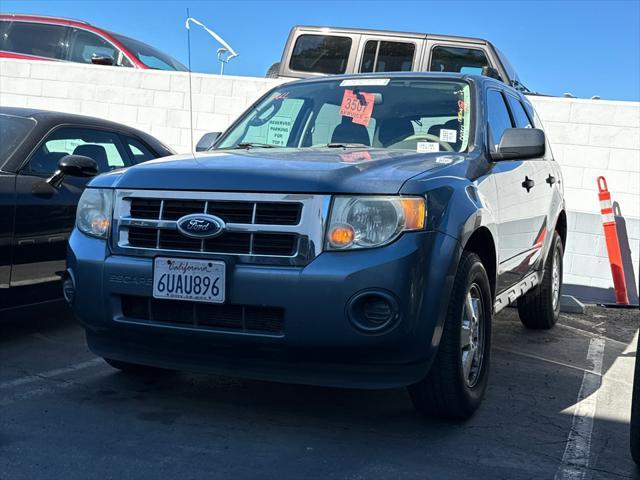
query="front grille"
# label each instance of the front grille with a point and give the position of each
(266, 213)
(262, 228)
(204, 316)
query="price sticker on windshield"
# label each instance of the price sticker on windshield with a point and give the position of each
(358, 106)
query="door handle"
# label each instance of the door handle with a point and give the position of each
(551, 180)
(528, 183)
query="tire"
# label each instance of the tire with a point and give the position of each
(539, 308)
(134, 368)
(449, 391)
(274, 71)
(635, 411)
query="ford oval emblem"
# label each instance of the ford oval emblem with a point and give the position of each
(201, 225)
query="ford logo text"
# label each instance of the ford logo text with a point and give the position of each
(201, 226)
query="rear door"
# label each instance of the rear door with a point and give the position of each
(36, 39)
(45, 216)
(378, 53)
(516, 231)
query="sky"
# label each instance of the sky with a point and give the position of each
(586, 48)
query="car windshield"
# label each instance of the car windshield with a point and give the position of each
(419, 114)
(148, 55)
(13, 131)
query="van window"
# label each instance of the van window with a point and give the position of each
(4, 33)
(320, 54)
(456, 59)
(36, 39)
(382, 56)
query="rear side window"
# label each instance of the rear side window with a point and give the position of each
(102, 146)
(382, 56)
(519, 115)
(497, 116)
(38, 39)
(320, 54)
(13, 131)
(456, 59)
(84, 45)
(4, 33)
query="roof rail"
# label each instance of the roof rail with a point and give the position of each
(49, 17)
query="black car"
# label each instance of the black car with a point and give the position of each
(39, 193)
(635, 410)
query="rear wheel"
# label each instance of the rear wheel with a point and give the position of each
(539, 308)
(457, 380)
(635, 410)
(134, 368)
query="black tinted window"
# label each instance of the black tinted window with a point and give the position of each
(84, 45)
(4, 33)
(104, 147)
(381, 56)
(497, 116)
(138, 150)
(13, 131)
(36, 39)
(456, 59)
(519, 115)
(321, 54)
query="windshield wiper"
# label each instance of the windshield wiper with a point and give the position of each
(254, 144)
(347, 145)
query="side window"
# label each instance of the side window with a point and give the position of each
(85, 44)
(382, 56)
(497, 117)
(519, 115)
(4, 33)
(457, 59)
(320, 54)
(37, 39)
(138, 150)
(104, 147)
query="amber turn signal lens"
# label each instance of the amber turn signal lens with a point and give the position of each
(341, 236)
(414, 213)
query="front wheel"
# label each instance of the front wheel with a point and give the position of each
(457, 380)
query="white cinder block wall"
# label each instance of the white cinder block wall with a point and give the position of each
(588, 138)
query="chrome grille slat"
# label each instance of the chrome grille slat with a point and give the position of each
(295, 237)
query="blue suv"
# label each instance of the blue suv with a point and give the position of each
(356, 231)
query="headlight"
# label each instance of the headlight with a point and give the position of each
(94, 212)
(366, 222)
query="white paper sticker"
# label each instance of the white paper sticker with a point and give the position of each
(427, 147)
(357, 82)
(448, 136)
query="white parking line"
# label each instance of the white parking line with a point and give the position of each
(575, 460)
(49, 374)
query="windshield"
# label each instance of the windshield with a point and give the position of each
(423, 115)
(13, 131)
(148, 55)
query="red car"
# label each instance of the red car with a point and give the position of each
(37, 37)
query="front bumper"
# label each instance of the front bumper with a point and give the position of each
(318, 343)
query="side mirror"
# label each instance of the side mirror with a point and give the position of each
(102, 59)
(520, 144)
(73, 166)
(490, 72)
(207, 141)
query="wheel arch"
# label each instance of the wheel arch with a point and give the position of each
(561, 228)
(482, 243)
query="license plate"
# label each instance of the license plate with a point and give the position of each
(185, 279)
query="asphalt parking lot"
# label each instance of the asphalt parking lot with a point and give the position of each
(66, 414)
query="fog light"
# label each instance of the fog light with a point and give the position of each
(68, 287)
(373, 311)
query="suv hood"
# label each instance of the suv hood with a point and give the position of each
(334, 170)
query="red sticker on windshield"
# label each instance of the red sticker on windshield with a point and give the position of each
(358, 106)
